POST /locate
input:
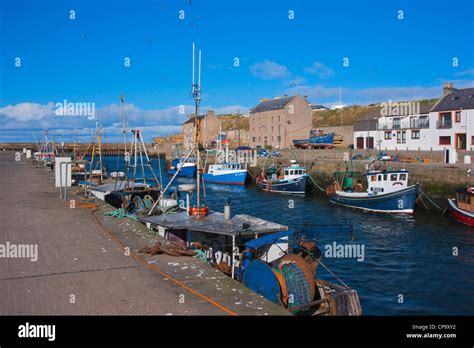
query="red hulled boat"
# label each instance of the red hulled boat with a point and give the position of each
(461, 208)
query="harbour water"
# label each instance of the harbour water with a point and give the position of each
(412, 265)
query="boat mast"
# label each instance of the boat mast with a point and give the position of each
(123, 123)
(196, 92)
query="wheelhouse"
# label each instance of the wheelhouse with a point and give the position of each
(386, 181)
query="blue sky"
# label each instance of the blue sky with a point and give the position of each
(82, 59)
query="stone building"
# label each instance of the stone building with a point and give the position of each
(279, 121)
(209, 130)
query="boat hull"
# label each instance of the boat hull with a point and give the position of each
(460, 215)
(292, 186)
(237, 178)
(189, 172)
(326, 140)
(402, 201)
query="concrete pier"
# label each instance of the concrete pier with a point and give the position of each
(83, 265)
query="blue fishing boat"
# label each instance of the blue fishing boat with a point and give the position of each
(292, 179)
(317, 139)
(227, 174)
(187, 167)
(387, 191)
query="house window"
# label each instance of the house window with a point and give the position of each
(253, 139)
(424, 122)
(360, 142)
(458, 116)
(401, 137)
(444, 120)
(445, 140)
(415, 134)
(472, 140)
(396, 123)
(278, 138)
(413, 122)
(388, 135)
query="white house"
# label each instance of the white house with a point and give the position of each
(446, 125)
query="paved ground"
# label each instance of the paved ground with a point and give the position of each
(82, 269)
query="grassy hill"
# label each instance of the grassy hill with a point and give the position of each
(331, 118)
(233, 121)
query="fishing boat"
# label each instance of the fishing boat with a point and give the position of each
(185, 167)
(461, 208)
(317, 140)
(387, 191)
(229, 173)
(226, 173)
(280, 179)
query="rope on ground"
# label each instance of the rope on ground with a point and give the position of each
(120, 213)
(156, 269)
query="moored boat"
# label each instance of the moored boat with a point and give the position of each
(226, 173)
(292, 179)
(317, 139)
(387, 191)
(187, 167)
(461, 208)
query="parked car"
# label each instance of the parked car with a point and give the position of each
(262, 153)
(383, 156)
(275, 154)
(243, 148)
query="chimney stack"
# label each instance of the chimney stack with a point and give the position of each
(448, 86)
(263, 100)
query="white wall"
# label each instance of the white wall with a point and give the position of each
(429, 137)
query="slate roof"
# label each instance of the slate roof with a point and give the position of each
(272, 104)
(456, 99)
(191, 119)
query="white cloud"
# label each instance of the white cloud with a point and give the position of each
(268, 70)
(27, 111)
(26, 121)
(467, 72)
(320, 70)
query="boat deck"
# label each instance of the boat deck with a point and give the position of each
(116, 186)
(238, 225)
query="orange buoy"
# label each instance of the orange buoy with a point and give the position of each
(200, 211)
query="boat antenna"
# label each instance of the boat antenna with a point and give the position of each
(196, 93)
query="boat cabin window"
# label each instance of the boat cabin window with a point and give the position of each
(385, 176)
(393, 177)
(380, 177)
(373, 178)
(403, 177)
(286, 172)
